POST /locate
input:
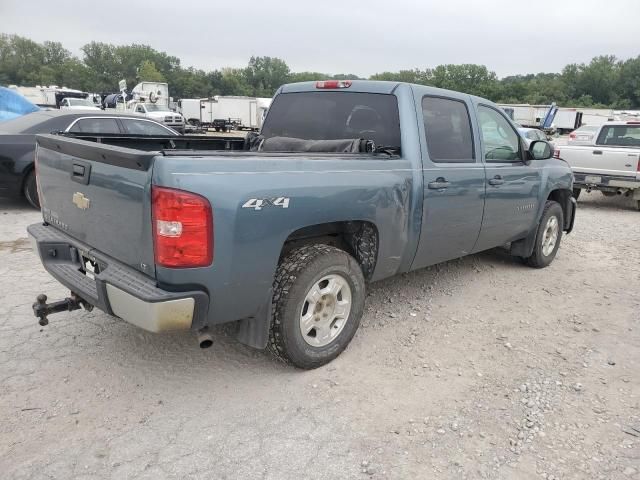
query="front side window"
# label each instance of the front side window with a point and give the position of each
(448, 130)
(140, 109)
(500, 142)
(620, 136)
(96, 125)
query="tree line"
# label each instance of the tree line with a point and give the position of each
(605, 81)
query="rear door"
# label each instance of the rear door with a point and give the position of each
(99, 195)
(513, 184)
(454, 180)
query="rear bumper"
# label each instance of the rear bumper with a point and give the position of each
(117, 289)
(597, 181)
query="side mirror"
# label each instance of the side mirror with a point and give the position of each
(540, 150)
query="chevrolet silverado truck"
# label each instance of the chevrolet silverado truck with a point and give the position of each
(611, 164)
(346, 183)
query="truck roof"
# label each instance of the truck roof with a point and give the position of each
(364, 86)
(367, 86)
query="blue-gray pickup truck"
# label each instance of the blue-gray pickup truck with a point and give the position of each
(348, 182)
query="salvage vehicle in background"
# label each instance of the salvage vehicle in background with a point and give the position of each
(611, 164)
(18, 141)
(78, 104)
(347, 183)
(532, 134)
(160, 113)
(585, 135)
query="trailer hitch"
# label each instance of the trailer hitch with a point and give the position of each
(42, 309)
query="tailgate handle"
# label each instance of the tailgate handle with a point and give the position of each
(597, 152)
(80, 172)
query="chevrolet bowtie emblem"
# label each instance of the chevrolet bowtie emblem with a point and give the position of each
(81, 201)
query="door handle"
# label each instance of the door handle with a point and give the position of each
(80, 173)
(440, 184)
(597, 152)
(497, 180)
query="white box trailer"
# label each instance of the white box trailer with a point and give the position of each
(51, 96)
(565, 119)
(225, 112)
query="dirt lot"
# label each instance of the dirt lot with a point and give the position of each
(477, 368)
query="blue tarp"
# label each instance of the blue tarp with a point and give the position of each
(13, 105)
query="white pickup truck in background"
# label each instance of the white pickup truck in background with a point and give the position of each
(611, 164)
(160, 113)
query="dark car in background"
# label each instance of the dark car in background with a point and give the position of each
(18, 141)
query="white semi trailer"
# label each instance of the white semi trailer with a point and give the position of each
(225, 112)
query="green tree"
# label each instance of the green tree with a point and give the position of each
(149, 73)
(265, 74)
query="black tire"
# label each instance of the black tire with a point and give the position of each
(538, 259)
(297, 273)
(638, 205)
(30, 190)
(576, 192)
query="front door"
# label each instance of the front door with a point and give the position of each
(454, 180)
(513, 183)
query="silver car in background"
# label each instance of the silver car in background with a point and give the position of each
(531, 134)
(585, 135)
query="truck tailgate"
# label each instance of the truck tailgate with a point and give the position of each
(99, 195)
(602, 160)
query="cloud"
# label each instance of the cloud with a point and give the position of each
(359, 36)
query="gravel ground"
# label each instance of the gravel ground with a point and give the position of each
(476, 368)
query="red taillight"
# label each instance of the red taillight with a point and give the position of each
(182, 228)
(572, 135)
(638, 167)
(556, 153)
(333, 84)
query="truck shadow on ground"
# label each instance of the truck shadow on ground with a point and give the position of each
(177, 353)
(597, 201)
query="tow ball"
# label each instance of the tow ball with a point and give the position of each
(42, 309)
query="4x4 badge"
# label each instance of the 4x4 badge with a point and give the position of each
(80, 201)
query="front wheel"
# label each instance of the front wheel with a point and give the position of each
(548, 236)
(318, 300)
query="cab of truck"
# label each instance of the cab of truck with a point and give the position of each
(160, 113)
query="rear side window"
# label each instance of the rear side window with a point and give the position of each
(620, 136)
(142, 127)
(96, 125)
(333, 116)
(448, 130)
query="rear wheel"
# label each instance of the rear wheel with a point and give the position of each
(31, 190)
(548, 236)
(318, 300)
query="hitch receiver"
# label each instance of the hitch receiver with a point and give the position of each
(42, 309)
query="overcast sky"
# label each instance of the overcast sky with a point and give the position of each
(331, 36)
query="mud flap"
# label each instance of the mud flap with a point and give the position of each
(254, 331)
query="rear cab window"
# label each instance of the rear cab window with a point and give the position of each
(620, 135)
(331, 115)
